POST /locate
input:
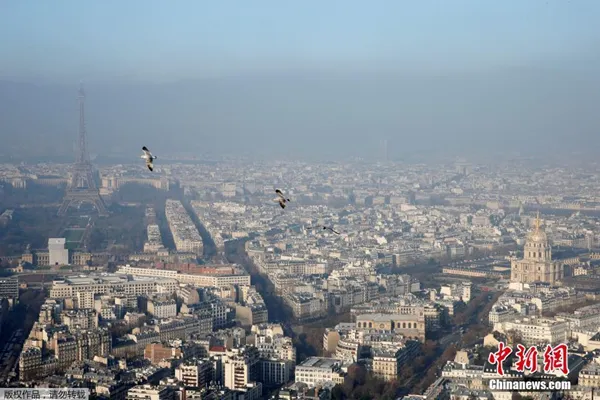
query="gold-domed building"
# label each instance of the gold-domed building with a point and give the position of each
(537, 264)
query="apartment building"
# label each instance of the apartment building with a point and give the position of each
(318, 370)
(461, 291)
(389, 358)
(277, 347)
(275, 372)
(9, 289)
(82, 319)
(589, 376)
(240, 367)
(533, 331)
(156, 353)
(412, 326)
(115, 284)
(195, 373)
(184, 231)
(162, 308)
(149, 392)
(154, 242)
(30, 363)
(500, 313)
(306, 305)
(239, 278)
(82, 345)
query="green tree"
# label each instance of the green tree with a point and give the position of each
(338, 393)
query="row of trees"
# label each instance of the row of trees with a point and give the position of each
(569, 309)
(278, 309)
(23, 315)
(34, 225)
(11, 197)
(416, 377)
(125, 226)
(148, 195)
(121, 329)
(359, 384)
(31, 226)
(435, 357)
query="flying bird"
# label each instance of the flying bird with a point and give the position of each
(324, 228)
(149, 158)
(281, 199)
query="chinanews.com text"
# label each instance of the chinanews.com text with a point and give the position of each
(528, 385)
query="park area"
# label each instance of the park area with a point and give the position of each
(75, 231)
(74, 237)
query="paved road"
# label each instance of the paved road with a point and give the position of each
(10, 354)
(452, 338)
(18, 324)
(47, 205)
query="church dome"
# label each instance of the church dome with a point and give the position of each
(537, 236)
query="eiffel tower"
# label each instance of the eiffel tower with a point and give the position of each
(82, 187)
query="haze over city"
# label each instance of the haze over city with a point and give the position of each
(335, 200)
(324, 80)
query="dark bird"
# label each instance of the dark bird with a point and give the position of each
(281, 199)
(324, 228)
(149, 158)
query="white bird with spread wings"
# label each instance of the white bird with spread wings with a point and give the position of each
(324, 228)
(149, 158)
(281, 199)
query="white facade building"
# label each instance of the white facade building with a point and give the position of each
(318, 370)
(57, 252)
(535, 331)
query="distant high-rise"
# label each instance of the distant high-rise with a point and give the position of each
(9, 288)
(82, 186)
(463, 168)
(384, 151)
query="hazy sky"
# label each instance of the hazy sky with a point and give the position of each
(327, 77)
(159, 39)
